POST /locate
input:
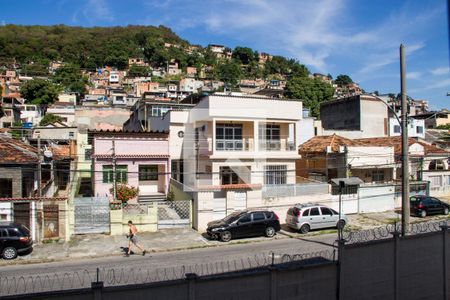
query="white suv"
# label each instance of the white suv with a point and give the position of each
(308, 216)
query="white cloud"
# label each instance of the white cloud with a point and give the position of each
(413, 75)
(98, 10)
(440, 71)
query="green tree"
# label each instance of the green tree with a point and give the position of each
(229, 72)
(243, 55)
(343, 80)
(155, 52)
(312, 91)
(39, 91)
(138, 71)
(49, 119)
(69, 76)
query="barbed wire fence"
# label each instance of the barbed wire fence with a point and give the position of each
(28, 284)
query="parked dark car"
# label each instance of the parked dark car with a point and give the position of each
(245, 223)
(14, 239)
(425, 205)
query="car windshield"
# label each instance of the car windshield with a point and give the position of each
(233, 217)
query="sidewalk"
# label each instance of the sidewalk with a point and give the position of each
(101, 245)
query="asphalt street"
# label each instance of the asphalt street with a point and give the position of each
(116, 270)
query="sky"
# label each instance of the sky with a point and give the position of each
(353, 37)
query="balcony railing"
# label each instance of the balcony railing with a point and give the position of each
(230, 145)
(276, 145)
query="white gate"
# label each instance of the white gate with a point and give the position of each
(91, 215)
(240, 200)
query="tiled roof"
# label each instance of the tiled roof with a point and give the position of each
(131, 156)
(396, 142)
(319, 144)
(61, 152)
(34, 199)
(16, 152)
(239, 186)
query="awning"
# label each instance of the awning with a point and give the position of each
(348, 181)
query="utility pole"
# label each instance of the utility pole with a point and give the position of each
(39, 168)
(114, 168)
(405, 146)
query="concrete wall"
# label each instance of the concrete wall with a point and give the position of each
(439, 182)
(412, 267)
(144, 222)
(16, 175)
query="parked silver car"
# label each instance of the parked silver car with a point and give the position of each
(308, 216)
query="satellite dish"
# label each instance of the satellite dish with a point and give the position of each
(48, 154)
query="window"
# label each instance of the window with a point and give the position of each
(148, 172)
(258, 216)
(314, 211)
(269, 136)
(419, 129)
(87, 154)
(5, 188)
(3, 232)
(71, 134)
(349, 189)
(435, 180)
(13, 232)
(378, 175)
(245, 219)
(306, 213)
(276, 174)
(228, 176)
(396, 128)
(436, 164)
(326, 211)
(229, 137)
(121, 174)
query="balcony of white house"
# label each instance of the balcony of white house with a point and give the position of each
(248, 139)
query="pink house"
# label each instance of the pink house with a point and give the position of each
(141, 160)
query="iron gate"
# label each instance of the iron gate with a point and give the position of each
(91, 215)
(22, 213)
(174, 214)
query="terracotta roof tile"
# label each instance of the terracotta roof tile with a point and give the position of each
(319, 144)
(16, 152)
(396, 142)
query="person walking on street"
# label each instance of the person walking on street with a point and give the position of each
(133, 239)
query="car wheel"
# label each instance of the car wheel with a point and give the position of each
(304, 229)
(340, 224)
(225, 236)
(9, 253)
(423, 214)
(446, 211)
(270, 231)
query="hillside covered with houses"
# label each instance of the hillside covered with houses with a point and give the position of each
(102, 125)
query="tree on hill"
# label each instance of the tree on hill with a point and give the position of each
(343, 80)
(155, 52)
(49, 119)
(69, 76)
(138, 71)
(39, 91)
(289, 67)
(312, 91)
(244, 55)
(229, 72)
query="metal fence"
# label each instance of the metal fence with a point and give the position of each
(174, 214)
(91, 215)
(291, 190)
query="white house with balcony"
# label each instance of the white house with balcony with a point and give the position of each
(234, 148)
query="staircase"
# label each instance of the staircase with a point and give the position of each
(145, 199)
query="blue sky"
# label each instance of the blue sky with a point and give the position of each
(358, 38)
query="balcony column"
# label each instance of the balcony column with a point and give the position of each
(256, 136)
(214, 136)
